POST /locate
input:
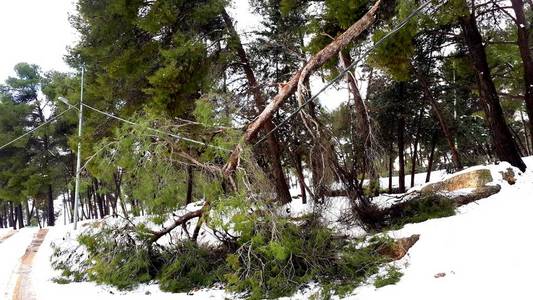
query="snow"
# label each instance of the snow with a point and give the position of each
(11, 249)
(484, 252)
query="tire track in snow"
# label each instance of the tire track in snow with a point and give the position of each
(23, 288)
(11, 250)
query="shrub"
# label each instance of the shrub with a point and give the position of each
(189, 266)
(118, 258)
(276, 263)
(420, 209)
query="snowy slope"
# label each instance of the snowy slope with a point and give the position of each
(484, 252)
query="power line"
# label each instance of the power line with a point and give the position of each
(36, 128)
(353, 64)
(179, 137)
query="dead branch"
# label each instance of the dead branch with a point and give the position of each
(181, 220)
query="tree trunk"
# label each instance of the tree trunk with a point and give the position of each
(431, 155)
(50, 207)
(99, 200)
(415, 147)
(529, 146)
(290, 88)
(391, 166)
(523, 44)
(401, 146)
(20, 217)
(442, 120)
(300, 175)
(274, 152)
(189, 185)
(504, 144)
(27, 210)
(12, 216)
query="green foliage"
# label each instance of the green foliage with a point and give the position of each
(393, 276)
(422, 208)
(394, 54)
(118, 258)
(189, 266)
(282, 256)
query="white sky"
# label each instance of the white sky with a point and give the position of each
(38, 32)
(35, 31)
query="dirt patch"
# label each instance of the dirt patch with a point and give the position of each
(23, 290)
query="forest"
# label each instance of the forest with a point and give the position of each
(193, 124)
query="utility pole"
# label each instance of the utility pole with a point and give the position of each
(78, 163)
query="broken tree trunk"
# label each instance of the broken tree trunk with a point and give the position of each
(290, 88)
(273, 153)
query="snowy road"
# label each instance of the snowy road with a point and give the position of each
(11, 250)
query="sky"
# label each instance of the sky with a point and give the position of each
(36, 32)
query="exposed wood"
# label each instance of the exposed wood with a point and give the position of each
(156, 235)
(291, 86)
(274, 152)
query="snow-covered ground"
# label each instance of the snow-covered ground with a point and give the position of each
(484, 252)
(11, 250)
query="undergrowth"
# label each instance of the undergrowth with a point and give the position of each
(420, 209)
(392, 276)
(270, 259)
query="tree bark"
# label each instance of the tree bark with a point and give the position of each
(300, 175)
(274, 152)
(431, 156)
(290, 88)
(20, 217)
(12, 216)
(401, 146)
(391, 166)
(415, 147)
(51, 218)
(504, 144)
(527, 61)
(189, 185)
(526, 135)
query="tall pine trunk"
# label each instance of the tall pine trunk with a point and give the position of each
(415, 147)
(401, 148)
(431, 155)
(523, 44)
(50, 207)
(504, 144)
